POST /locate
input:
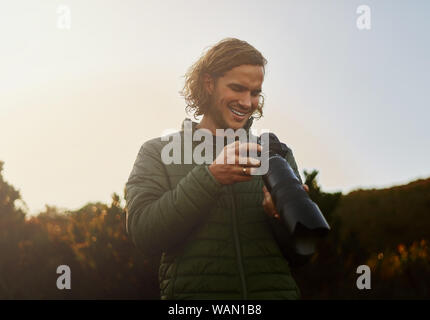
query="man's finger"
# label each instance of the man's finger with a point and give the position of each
(249, 162)
(241, 174)
(269, 200)
(248, 147)
(244, 171)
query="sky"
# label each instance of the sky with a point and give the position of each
(84, 84)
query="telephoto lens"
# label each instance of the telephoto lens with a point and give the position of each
(301, 216)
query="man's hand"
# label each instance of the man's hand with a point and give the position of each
(269, 206)
(231, 167)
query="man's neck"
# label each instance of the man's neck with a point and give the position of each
(208, 123)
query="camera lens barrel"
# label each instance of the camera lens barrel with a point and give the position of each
(301, 216)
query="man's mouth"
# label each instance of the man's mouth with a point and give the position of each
(238, 113)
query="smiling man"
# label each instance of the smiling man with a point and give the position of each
(214, 225)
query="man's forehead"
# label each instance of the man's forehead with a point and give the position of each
(245, 75)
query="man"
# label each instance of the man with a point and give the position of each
(214, 224)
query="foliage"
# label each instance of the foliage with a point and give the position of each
(385, 229)
(92, 241)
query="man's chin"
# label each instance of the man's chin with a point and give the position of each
(237, 125)
(232, 124)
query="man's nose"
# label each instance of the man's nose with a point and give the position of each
(245, 100)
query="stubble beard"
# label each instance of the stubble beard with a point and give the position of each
(217, 115)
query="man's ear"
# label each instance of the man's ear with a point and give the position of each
(208, 83)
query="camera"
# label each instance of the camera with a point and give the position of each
(301, 216)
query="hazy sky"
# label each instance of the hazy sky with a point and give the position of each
(76, 104)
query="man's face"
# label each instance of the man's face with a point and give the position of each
(235, 96)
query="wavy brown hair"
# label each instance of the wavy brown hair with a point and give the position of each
(222, 57)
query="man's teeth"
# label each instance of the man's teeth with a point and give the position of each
(237, 112)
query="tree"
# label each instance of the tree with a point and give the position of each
(8, 196)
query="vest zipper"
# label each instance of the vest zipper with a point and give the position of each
(238, 249)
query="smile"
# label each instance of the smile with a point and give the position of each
(240, 114)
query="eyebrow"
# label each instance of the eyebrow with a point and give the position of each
(241, 87)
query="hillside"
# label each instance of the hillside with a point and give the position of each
(383, 218)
